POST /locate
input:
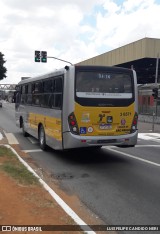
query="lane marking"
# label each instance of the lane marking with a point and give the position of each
(32, 151)
(139, 146)
(1, 136)
(11, 138)
(32, 140)
(55, 196)
(149, 136)
(134, 157)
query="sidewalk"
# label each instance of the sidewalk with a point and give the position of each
(148, 127)
(145, 124)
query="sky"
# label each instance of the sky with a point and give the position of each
(72, 30)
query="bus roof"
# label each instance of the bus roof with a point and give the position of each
(43, 76)
(81, 67)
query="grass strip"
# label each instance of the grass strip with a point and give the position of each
(13, 167)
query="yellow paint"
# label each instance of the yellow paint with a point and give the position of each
(52, 126)
(95, 117)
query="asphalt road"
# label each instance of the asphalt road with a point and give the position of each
(121, 186)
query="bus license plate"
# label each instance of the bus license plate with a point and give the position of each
(105, 126)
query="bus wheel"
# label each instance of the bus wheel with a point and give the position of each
(125, 146)
(25, 134)
(42, 138)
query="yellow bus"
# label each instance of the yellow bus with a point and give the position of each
(80, 106)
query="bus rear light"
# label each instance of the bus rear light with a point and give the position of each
(134, 123)
(73, 124)
(83, 141)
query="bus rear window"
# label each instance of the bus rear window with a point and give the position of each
(110, 85)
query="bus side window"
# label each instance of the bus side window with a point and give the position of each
(58, 101)
(47, 86)
(29, 95)
(23, 94)
(37, 93)
(45, 100)
(58, 93)
(58, 85)
(51, 101)
(47, 91)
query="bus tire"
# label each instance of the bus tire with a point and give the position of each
(97, 147)
(25, 134)
(125, 146)
(42, 138)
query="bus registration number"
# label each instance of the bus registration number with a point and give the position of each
(105, 126)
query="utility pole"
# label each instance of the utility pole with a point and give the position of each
(157, 63)
(155, 92)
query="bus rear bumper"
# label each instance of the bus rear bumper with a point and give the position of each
(75, 141)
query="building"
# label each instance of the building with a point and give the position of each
(141, 55)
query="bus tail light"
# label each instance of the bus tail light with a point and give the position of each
(134, 123)
(73, 124)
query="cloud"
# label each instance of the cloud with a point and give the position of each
(72, 30)
(133, 20)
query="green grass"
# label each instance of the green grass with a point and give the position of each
(13, 167)
(5, 152)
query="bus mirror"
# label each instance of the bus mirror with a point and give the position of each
(66, 67)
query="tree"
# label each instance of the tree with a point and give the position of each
(3, 69)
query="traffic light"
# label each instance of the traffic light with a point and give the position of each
(43, 56)
(37, 56)
(155, 93)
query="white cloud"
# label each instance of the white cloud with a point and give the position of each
(74, 30)
(110, 6)
(135, 19)
(132, 5)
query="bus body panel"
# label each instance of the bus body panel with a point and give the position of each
(33, 117)
(75, 141)
(90, 132)
(103, 121)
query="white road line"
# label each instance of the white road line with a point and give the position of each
(149, 136)
(32, 140)
(59, 200)
(1, 136)
(140, 146)
(134, 157)
(32, 151)
(11, 138)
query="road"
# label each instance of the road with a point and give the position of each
(121, 186)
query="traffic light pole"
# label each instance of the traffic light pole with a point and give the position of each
(157, 61)
(60, 60)
(41, 56)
